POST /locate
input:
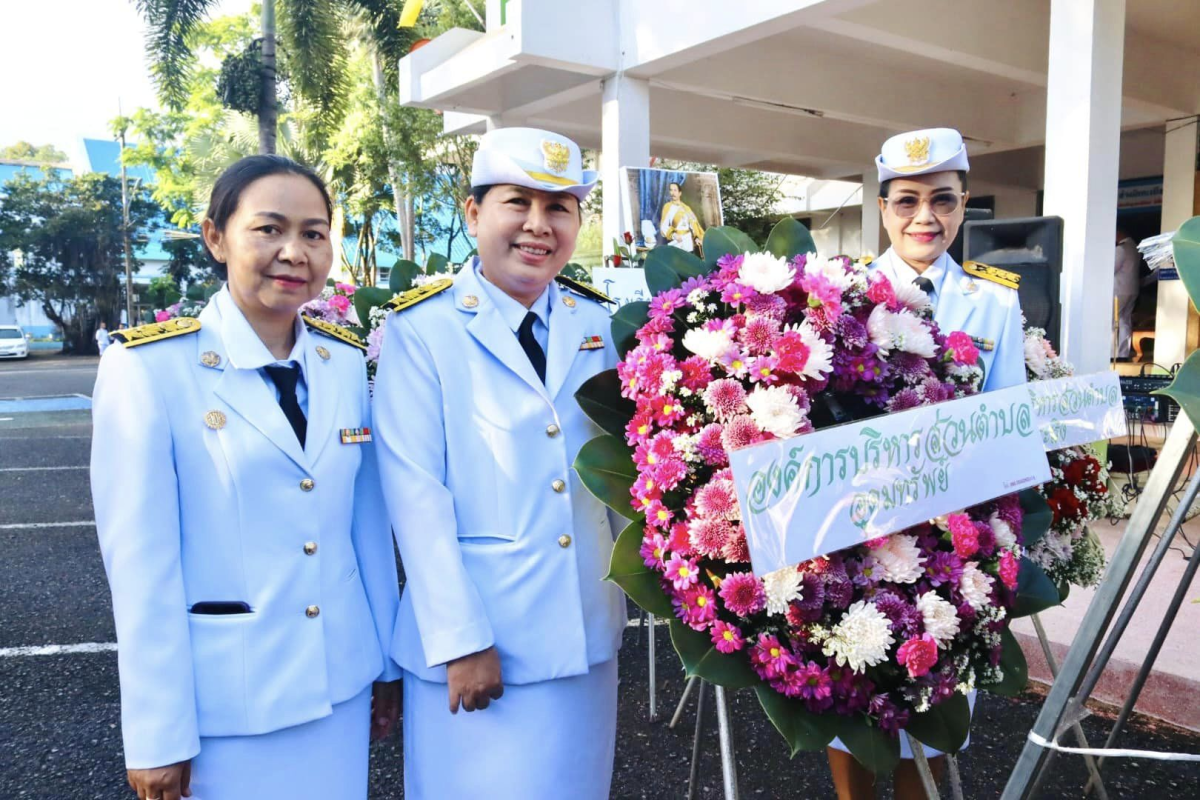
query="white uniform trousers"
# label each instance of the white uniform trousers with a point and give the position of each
(905, 750)
(545, 740)
(319, 760)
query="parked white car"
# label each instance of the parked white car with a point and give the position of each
(12, 342)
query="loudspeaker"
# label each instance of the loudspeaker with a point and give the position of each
(1032, 248)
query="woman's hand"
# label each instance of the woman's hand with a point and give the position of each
(474, 680)
(162, 783)
(385, 709)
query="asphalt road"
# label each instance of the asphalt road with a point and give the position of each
(60, 706)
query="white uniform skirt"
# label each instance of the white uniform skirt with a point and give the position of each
(540, 740)
(319, 760)
(905, 750)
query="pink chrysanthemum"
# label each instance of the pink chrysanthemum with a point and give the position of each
(654, 549)
(737, 550)
(696, 374)
(725, 398)
(709, 447)
(659, 515)
(960, 347)
(964, 535)
(918, 655)
(767, 305)
(814, 682)
(666, 303)
(763, 370)
(727, 638)
(697, 607)
(759, 334)
(640, 427)
(667, 410)
(736, 293)
(770, 658)
(743, 594)
(683, 573)
(678, 541)
(708, 535)
(717, 498)
(740, 432)
(1010, 568)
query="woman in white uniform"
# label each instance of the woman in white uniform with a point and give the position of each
(240, 518)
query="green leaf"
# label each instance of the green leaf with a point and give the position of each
(600, 398)
(627, 570)
(1035, 591)
(436, 263)
(368, 297)
(701, 659)
(1186, 245)
(874, 749)
(722, 240)
(1185, 388)
(944, 726)
(605, 465)
(625, 324)
(402, 276)
(1016, 670)
(789, 239)
(1037, 517)
(802, 729)
(667, 267)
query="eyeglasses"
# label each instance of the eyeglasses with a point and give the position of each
(941, 204)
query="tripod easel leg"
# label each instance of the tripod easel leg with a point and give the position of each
(927, 779)
(728, 758)
(653, 672)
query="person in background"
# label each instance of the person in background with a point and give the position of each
(103, 339)
(1127, 282)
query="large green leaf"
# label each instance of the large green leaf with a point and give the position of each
(1036, 517)
(1035, 591)
(944, 726)
(626, 323)
(789, 239)
(436, 263)
(368, 297)
(1186, 245)
(402, 275)
(605, 465)
(1016, 670)
(874, 749)
(668, 267)
(600, 398)
(627, 570)
(1185, 388)
(701, 659)
(802, 729)
(723, 240)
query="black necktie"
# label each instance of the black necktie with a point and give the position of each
(924, 284)
(530, 345)
(285, 379)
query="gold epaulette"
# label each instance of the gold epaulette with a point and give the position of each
(994, 274)
(413, 296)
(157, 331)
(587, 290)
(334, 332)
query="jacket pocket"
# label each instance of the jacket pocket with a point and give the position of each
(219, 669)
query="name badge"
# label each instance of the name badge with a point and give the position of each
(355, 435)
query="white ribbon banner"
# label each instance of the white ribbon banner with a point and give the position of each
(810, 495)
(623, 284)
(1078, 410)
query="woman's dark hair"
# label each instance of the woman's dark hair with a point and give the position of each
(227, 191)
(885, 185)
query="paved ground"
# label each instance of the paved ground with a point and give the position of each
(59, 710)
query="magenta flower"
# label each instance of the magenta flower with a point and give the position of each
(717, 498)
(735, 293)
(683, 573)
(770, 658)
(666, 303)
(697, 607)
(162, 316)
(341, 303)
(1010, 568)
(659, 515)
(964, 535)
(725, 398)
(960, 348)
(737, 551)
(881, 291)
(654, 548)
(708, 535)
(727, 638)
(743, 594)
(814, 683)
(918, 655)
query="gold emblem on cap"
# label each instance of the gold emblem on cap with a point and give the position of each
(470, 301)
(557, 154)
(323, 353)
(917, 150)
(210, 359)
(569, 301)
(214, 420)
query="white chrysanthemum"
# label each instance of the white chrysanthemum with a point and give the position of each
(775, 410)
(1035, 357)
(900, 559)
(976, 586)
(833, 271)
(782, 587)
(940, 618)
(765, 273)
(911, 296)
(820, 354)
(900, 331)
(861, 639)
(709, 345)
(1003, 531)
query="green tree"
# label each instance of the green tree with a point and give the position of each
(69, 258)
(40, 154)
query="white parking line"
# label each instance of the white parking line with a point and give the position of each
(91, 523)
(36, 469)
(58, 649)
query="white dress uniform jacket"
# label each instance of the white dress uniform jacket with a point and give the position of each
(986, 311)
(202, 492)
(502, 544)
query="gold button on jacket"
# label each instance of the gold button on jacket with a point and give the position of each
(559, 485)
(564, 541)
(552, 431)
(307, 485)
(310, 548)
(312, 611)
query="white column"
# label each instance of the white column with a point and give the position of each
(1179, 175)
(871, 221)
(1083, 141)
(491, 13)
(625, 142)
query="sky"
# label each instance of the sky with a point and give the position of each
(66, 64)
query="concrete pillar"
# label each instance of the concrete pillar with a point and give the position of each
(1179, 189)
(1083, 140)
(624, 142)
(491, 13)
(872, 242)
